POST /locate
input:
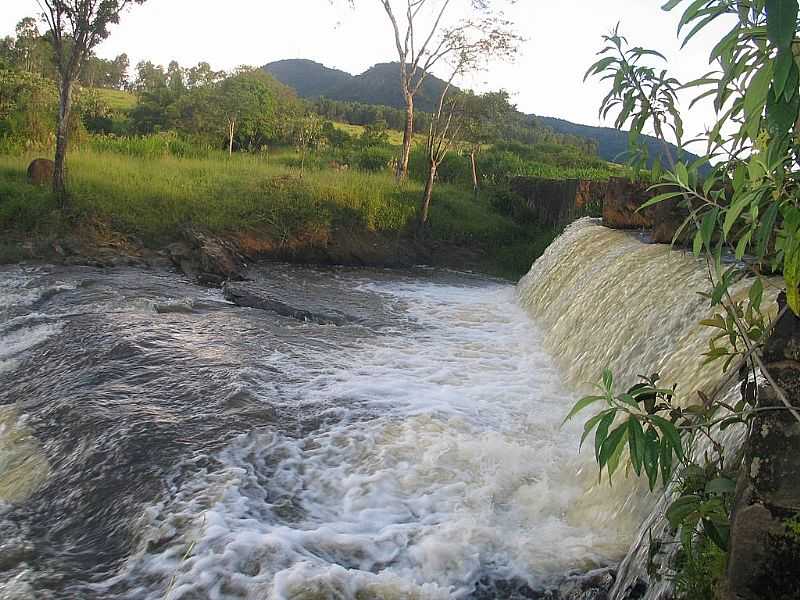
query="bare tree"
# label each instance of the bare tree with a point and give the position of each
(76, 28)
(477, 43)
(425, 36)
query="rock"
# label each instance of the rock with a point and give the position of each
(764, 557)
(40, 171)
(621, 202)
(250, 297)
(208, 260)
(593, 585)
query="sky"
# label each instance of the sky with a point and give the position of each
(562, 38)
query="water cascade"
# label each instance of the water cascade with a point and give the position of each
(606, 299)
(158, 442)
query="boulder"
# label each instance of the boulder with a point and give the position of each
(40, 171)
(621, 202)
(209, 260)
(594, 585)
(249, 296)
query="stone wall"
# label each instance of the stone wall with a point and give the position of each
(556, 203)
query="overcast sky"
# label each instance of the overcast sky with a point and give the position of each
(562, 37)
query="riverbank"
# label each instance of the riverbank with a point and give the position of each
(127, 208)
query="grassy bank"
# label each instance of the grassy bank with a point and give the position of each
(264, 197)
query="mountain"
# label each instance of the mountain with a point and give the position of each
(309, 79)
(380, 85)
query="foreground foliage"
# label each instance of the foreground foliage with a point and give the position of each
(746, 207)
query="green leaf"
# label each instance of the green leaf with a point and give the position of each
(697, 244)
(610, 444)
(682, 174)
(671, 4)
(608, 380)
(682, 508)
(707, 226)
(580, 405)
(741, 246)
(659, 198)
(781, 21)
(614, 459)
(756, 293)
(764, 233)
(636, 443)
(755, 97)
(602, 433)
(591, 424)
(721, 485)
(783, 65)
(734, 211)
(671, 433)
(651, 451)
(791, 275)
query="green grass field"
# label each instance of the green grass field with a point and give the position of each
(117, 100)
(154, 198)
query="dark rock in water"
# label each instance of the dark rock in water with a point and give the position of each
(40, 172)
(488, 588)
(208, 260)
(251, 297)
(593, 585)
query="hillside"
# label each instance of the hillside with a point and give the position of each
(379, 85)
(611, 143)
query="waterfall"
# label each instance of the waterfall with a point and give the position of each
(605, 298)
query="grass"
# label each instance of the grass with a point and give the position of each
(117, 100)
(395, 136)
(153, 198)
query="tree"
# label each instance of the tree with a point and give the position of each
(307, 134)
(476, 44)
(425, 36)
(487, 116)
(76, 28)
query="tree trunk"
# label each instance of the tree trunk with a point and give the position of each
(231, 130)
(408, 136)
(62, 141)
(426, 198)
(474, 173)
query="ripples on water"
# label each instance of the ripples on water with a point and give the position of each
(157, 442)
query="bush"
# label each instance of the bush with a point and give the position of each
(374, 158)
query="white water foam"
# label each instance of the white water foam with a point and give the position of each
(462, 472)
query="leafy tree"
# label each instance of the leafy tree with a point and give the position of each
(149, 77)
(487, 115)
(307, 136)
(748, 207)
(76, 28)
(28, 107)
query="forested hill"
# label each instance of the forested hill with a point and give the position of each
(380, 85)
(611, 143)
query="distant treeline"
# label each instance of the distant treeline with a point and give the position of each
(245, 110)
(518, 128)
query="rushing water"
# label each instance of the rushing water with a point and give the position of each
(158, 442)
